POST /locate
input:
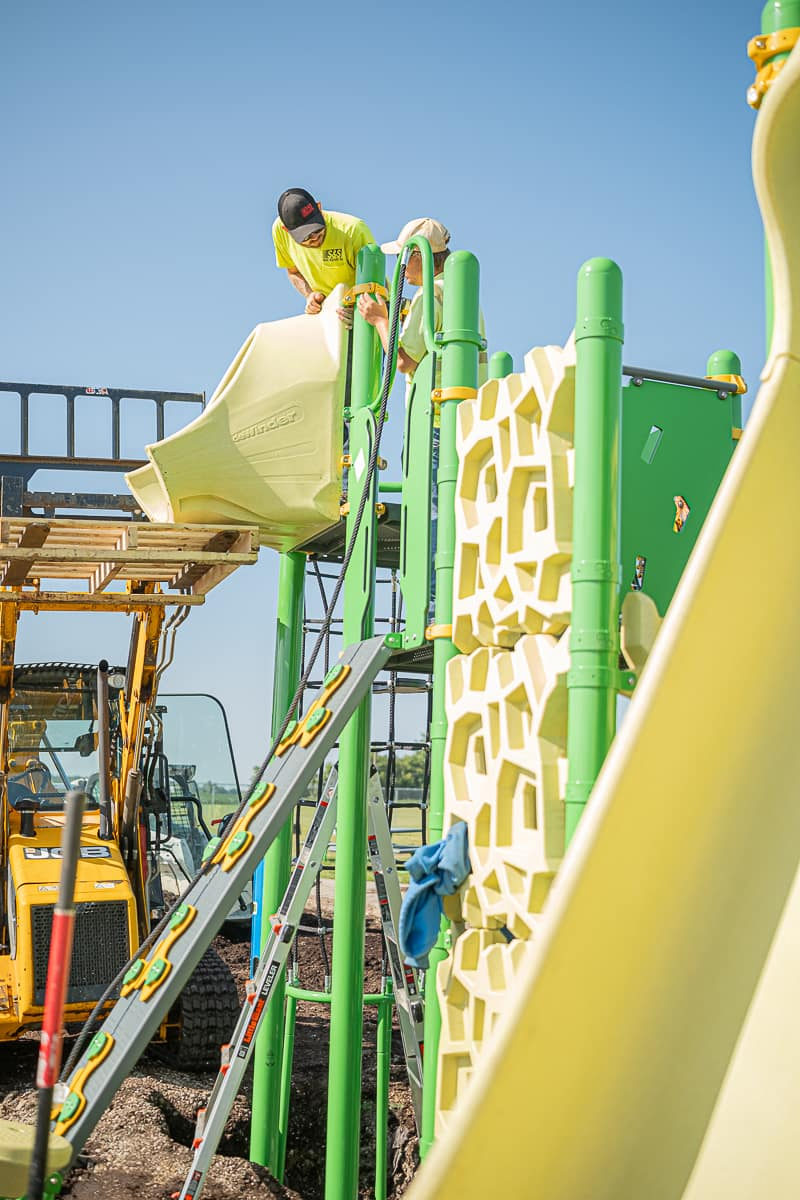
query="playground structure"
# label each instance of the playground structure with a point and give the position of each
(566, 502)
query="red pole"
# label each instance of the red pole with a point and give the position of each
(55, 996)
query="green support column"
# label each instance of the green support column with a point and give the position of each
(460, 340)
(594, 636)
(347, 980)
(264, 1124)
(501, 364)
(383, 1071)
(775, 15)
(290, 1024)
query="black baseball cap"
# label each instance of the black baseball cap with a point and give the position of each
(300, 213)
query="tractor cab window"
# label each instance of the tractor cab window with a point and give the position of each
(203, 788)
(52, 742)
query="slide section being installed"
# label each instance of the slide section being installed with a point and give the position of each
(266, 450)
(653, 1049)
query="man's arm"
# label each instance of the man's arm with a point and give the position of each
(375, 314)
(300, 283)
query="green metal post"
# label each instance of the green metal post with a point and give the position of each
(726, 362)
(277, 867)
(382, 1073)
(346, 1033)
(594, 638)
(500, 364)
(775, 15)
(286, 1086)
(460, 341)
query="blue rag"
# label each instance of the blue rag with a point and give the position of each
(437, 870)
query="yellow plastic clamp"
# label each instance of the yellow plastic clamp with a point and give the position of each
(736, 433)
(235, 847)
(762, 49)
(438, 631)
(442, 395)
(158, 965)
(100, 1047)
(314, 725)
(241, 823)
(346, 460)
(332, 682)
(741, 386)
(359, 289)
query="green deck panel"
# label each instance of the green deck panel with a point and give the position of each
(676, 441)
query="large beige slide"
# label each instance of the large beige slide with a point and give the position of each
(266, 450)
(653, 1049)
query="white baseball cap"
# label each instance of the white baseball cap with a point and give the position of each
(425, 227)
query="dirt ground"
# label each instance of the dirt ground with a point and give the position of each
(141, 1146)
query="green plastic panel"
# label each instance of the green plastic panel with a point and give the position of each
(676, 442)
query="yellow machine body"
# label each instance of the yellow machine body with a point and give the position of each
(106, 925)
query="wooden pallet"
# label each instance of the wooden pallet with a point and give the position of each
(113, 562)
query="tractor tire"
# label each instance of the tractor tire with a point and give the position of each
(203, 1018)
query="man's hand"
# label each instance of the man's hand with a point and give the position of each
(345, 315)
(314, 303)
(373, 311)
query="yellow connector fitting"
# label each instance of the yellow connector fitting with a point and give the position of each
(374, 289)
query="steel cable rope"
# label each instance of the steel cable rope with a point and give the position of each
(388, 379)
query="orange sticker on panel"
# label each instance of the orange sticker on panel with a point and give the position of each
(682, 511)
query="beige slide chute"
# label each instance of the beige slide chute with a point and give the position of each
(652, 1049)
(266, 450)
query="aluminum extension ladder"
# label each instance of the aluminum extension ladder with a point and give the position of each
(211, 1119)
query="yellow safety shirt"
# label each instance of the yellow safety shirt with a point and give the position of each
(334, 261)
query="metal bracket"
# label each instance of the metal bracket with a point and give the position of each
(442, 395)
(741, 386)
(360, 289)
(762, 49)
(438, 631)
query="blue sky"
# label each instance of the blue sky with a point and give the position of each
(143, 147)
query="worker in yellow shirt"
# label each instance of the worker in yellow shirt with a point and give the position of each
(318, 249)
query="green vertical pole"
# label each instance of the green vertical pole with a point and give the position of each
(286, 1086)
(277, 866)
(460, 341)
(500, 364)
(347, 980)
(382, 1075)
(594, 636)
(775, 15)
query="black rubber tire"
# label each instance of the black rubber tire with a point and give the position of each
(203, 1018)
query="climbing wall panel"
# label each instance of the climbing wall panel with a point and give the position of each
(514, 504)
(474, 986)
(505, 773)
(505, 760)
